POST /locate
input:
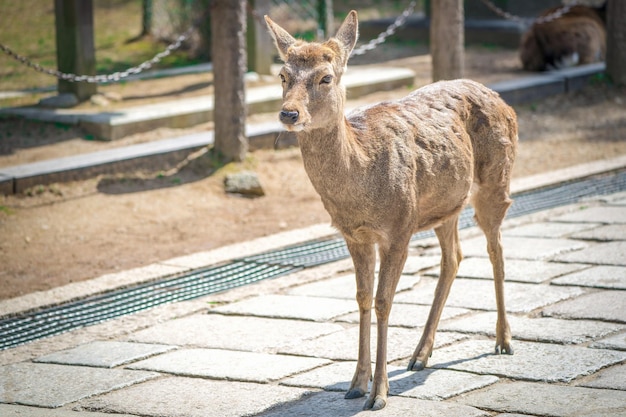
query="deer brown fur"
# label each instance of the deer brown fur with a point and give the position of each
(577, 37)
(389, 170)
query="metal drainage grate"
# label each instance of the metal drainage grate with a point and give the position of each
(28, 327)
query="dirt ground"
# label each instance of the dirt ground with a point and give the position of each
(61, 233)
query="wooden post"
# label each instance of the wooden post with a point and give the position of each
(228, 39)
(446, 39)
(616, 41)
(260, 45)
(75, 45)
(325, 18)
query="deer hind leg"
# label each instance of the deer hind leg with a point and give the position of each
(364, 259)
(451, 255)
(490, 205)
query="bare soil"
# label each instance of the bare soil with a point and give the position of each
(61, 233)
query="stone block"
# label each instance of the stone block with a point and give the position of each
(615, 342)
(609, 277)
(611, 253)
(531, 88)
(603, 305)
(548, 229)
(104, 354)
(193, 397)
(548, 330)
(228, 364)
(408, 315)
(610, 378)
(603, 233)
(599, 214)
(48, 385)
(233, 332)
(9, 410)
(343, 287)
(548, 400)
(528, 248)
(531, 361)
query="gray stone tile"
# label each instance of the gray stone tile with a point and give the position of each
(344, 287)
(193, 397)
(333, 404)
(8, 410)
(531, 361)
(604, 305)
(610, 378)
(429, 384)
(104, 354)
(607, 232)
(228, 364)
(291, 307)
(616, 342)
(529, 248)
(548, 229)
(609, 277)
(415, 264)
(408, 315)
(611, 253)
(602, 214)
(480, 295)
(344, 345)
(233, 332)
(536, 329)
(548, 400)
(49, 385)
(516, 270)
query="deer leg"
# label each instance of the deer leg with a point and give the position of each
(392, 259)
(364, 259)
(451, 256)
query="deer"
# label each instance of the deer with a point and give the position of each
(391, 169)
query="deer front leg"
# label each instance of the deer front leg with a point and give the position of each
(364, 259)
(451, 256)
(392, 261)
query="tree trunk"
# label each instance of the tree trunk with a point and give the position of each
(616, 41)
(228, 39)
(446, 39)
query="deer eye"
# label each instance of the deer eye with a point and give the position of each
(282, 78)
(326, 79)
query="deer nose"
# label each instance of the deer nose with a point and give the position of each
(288, 117)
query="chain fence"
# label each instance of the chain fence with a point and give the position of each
(530, 20)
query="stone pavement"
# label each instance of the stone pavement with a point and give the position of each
(287, 346)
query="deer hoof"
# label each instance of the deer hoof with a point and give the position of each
(354, 393)
(415, 365)
(374, 404)
(504, 349)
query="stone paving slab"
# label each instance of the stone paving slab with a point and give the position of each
(523, 247)
(536, 329)
(602, 305)
(228, 364)
(291, 307)
(616, 342)
(50, 385)
(344, 345)
(429, 384)
(610, 378)
(549, 229)
(599, 214)
(344, 287)
(333, 404)
(233, 332)
(516, 270)
(408, 315)
(611, 253)
(531, 361)
(609, 277)
(7, 410)
(480, 295)
(104, 354)
(606, 233)
(548, 400)
(193, 397)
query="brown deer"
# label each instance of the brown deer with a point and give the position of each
(392, 169)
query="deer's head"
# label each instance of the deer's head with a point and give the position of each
(313, 96)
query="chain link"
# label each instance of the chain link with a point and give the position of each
(399, 22)
(528, 21)
(105, 78)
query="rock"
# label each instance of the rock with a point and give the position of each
(99, 100)
(245, 183)
(64, 100)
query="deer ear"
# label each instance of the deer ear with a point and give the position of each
(282, 38)
(347, 34)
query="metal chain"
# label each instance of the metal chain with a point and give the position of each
(528, 21)
(105, 78)
(399, 22)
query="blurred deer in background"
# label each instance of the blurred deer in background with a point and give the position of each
(392, 169)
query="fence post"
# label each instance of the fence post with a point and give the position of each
(259, 41)
(325, 18)
(75, 45)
